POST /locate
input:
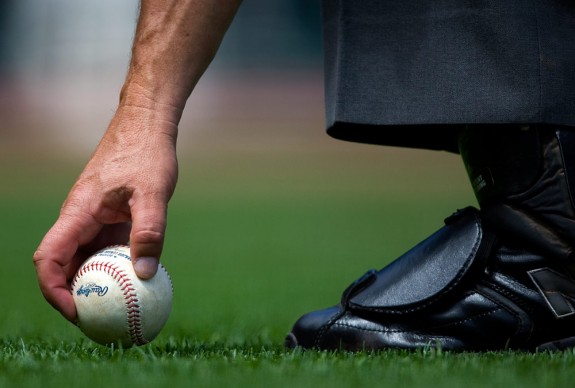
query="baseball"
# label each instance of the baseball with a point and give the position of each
(114, 305)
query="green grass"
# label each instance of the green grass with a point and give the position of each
(254, 241)
(182, 362)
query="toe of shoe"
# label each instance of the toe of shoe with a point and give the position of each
(307, 331)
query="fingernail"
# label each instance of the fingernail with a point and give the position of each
(146, 267)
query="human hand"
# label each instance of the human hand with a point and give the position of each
(121, 195)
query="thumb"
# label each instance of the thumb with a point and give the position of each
(147, 235)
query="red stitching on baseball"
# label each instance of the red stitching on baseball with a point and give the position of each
(134, 318)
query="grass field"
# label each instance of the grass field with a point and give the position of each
(254, 241)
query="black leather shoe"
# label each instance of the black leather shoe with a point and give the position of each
(499, 278)
(460, 289)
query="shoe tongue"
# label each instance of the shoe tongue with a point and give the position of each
(427, 273)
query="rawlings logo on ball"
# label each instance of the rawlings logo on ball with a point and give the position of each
(90, 288)
(133, 311)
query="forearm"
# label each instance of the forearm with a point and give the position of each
(174, 43)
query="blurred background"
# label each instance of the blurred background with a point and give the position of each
(271, 217)
(62, 63)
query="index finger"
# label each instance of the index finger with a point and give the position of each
(55, 260)
(53, 284)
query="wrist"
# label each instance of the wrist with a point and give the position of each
(150, 104)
